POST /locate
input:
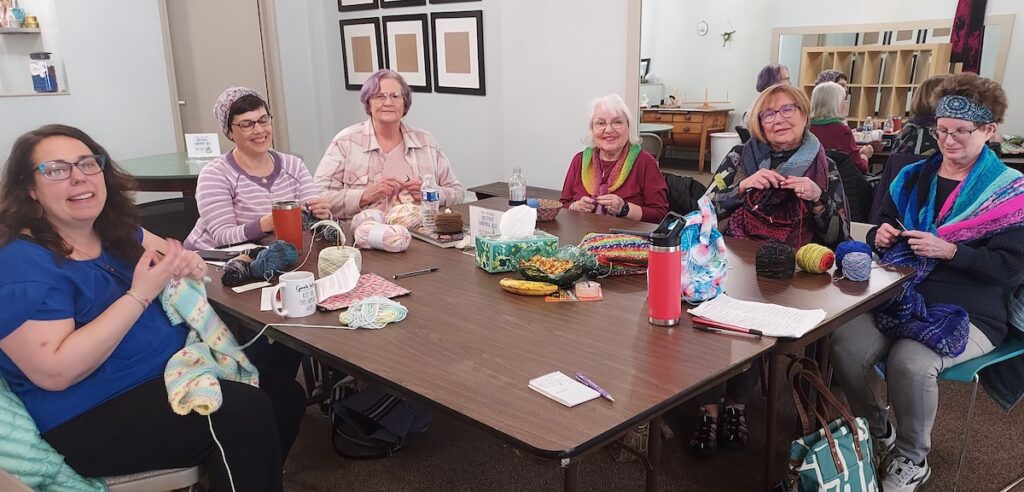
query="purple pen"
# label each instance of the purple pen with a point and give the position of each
(585, 380)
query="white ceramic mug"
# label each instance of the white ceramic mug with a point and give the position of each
(297, 295)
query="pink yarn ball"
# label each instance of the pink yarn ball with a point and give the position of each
(368, 215)
(390, 238)
(406, 214)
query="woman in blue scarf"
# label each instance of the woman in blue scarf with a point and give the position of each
(957, 218)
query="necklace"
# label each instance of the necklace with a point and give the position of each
(263, 178)
(98, 257)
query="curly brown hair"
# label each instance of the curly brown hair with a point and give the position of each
(926, 95)
(979, 90)
(20, 213)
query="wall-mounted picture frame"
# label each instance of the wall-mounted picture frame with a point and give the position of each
(401, 3)
(406, 49)
(353, 5)
(452, 1)
(361, 53)
(645, 68)
(457, 39)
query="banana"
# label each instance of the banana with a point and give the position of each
(527, 287)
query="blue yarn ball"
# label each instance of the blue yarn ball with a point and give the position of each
(857, 266)
(278, 256)
(847, 247)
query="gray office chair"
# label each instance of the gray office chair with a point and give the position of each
(652, 144)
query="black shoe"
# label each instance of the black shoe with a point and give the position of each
(734, 428)
(705, 439)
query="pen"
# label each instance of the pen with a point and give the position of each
(415, 272)
(586, 381)
(725, 327)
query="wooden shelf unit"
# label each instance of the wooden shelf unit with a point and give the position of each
(882, 78)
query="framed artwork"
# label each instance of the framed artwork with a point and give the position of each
(350, 5)
(360, 50)
(405, 49)
(452, 1)
(458, 44)
(402, 3)
(645, 68)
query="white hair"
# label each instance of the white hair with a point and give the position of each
(614, 104)
(827, 100)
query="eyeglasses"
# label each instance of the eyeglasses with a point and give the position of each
(616, 125)
(769, 115)
(60, 170)
(383, 96)
(248, 125)
(959, 135)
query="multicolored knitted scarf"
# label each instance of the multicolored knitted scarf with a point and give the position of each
(989, 201)
(591, 174)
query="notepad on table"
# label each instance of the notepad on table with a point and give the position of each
(563, 389)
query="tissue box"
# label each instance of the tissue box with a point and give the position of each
(494, 254)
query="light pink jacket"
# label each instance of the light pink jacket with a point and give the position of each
(354, 160)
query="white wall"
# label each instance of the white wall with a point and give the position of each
(113, 55)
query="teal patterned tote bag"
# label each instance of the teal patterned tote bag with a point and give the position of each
(836, 457)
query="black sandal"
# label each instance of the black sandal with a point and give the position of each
(705, 439)
(734, 428)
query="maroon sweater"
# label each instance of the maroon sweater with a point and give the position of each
(838, 136)
(645, 186)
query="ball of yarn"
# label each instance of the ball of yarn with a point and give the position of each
(857, 266)
(406, 214)
(330, 234)
(278, 256)
(847, 247)
(334, 257)
(815, 258)
(373, 312)
(775, 260)
(236, 271)
(368, 215)
(391, 238)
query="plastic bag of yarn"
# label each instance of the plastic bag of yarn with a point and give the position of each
(775, 260)
(391, 238)
(368, 215)
(815, 258)
(406, 214)
(276, 258)
(704, 259)
(563, 267)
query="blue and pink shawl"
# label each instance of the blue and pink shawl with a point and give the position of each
(989, 201)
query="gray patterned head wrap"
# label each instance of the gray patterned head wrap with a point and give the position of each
(224, 102)
(961, 108)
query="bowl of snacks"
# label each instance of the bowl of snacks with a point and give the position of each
(548, 209)
(563, 268)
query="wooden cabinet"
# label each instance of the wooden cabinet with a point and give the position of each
(690, 126)
(882, 78)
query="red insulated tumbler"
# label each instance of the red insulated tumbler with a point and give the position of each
(288, 222)
(664, 269)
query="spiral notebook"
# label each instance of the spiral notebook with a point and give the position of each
(369, 285)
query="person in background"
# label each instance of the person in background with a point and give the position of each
(236, 191)
(956, 216)
(84, 339)
(381, 162)
(834, 76)
(828, 123)
(915, 137)
(612, 175)
(768, 76)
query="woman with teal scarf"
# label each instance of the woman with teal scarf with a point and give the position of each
(957, 219)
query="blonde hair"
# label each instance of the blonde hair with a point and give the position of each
(614, 104)
(827, 100)
(754, 118)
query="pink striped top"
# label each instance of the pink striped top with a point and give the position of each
(231, 202)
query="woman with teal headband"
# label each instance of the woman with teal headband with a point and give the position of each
(612, 175)
(957, 218)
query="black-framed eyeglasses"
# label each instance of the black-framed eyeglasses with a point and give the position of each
(248, 125)
(959, 135)
(769, 115)
(60, 170)
(380, 97)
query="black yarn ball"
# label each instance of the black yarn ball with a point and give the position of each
(329, 234)
(775, 260)
(236, 271)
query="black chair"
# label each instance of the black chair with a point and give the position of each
(683, 193)
(893, 165)
(858, 190)
(743, 133)
(170, 218)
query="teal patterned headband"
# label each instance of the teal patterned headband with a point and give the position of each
(961, 108)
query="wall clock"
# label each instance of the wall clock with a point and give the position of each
(702, 28)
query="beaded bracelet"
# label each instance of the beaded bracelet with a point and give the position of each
(141, 300)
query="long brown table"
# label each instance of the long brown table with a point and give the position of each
(500, 189)
(469, 348)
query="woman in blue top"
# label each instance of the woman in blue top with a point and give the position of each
(84, 347)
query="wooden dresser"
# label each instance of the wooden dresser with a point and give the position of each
(690, 126)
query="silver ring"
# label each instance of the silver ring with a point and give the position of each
(800, 190)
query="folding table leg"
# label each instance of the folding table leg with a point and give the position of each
(571, 476)
(653, 453)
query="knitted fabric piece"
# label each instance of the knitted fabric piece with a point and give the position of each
(25, 455)
(224, 102)
(210, 352)
(624, 254)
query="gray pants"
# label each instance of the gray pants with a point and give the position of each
(912, 371)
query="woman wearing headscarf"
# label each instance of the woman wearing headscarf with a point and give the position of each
(957, 219)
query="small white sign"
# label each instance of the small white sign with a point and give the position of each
(483, 221)
(202, 144)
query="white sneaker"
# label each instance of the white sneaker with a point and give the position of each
(902, 475)
(883, 446)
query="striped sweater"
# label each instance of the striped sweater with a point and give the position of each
(231, 202)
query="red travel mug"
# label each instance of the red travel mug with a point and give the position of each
(664, 272)
(288, 222)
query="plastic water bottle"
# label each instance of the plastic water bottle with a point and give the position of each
(431, 198)
(887, 127)
(517, 188)
(869, 124)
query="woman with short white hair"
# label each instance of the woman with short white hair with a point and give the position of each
(828, 123)
(612, 175)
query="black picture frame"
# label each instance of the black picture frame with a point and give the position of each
(427, 63)
(451, 1)
(349, 84)
(645, 67)
(478, 17)
(351, 8)
(390, 4)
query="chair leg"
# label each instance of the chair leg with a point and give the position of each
(967, 431)
(1014, 484)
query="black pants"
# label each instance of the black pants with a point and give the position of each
(137, 431)
(739, 388)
